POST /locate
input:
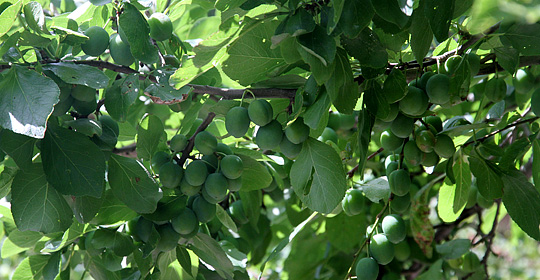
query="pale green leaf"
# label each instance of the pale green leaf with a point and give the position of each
(8, 17)
(208, 249)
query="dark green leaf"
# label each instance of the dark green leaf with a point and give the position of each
(453, 249)
(435, 271)
(86, 208)
(26, 101)
(251, 202)
(390, 11)
(36, 205)
(356, 15)
(163, 92)
(51, 269)
(6, 179)
(133, 185)
(395, 86)
(525, 38)
(149, 134)
(17, 146)
(421, 34)
(508, 58)
(120, 96)
(79, 74)
(182, 255)
(73, 164)
(439, 14)
(375, 100)
(137, 32)
(535, 164)
(513, 152)
(317, 176)
(113, 210)
(225, 219)
(343, 230)
(315, 112)
(367, 49)
(211, 253)
(341, 87)
(522, 201)
(319, 44)
(365, 127)
(487, 179)
(299, 23)
(120, 243)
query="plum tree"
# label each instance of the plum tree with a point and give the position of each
(400, 182)
(260, 112)
(394, 228)
(437, 88)
(269, 136)
(232, 166)
(353, 202)
(367, 269)
(206, 143)
(297, 132)
(196, 173)
(120, 51)
(178, 142)
(170, 175)
(381, 249)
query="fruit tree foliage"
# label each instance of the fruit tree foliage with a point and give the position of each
(285, 139)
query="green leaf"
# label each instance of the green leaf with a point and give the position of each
(86, 208)
(319, 70)
(365, 127)
(225, 219)
(255, 176)
(34, 40)
(341, 87)
(314, 113)
(525, 38)
(187, 259)
(395, 86)
(137, 32)
(522, 201)
(301, 22)
(439, 14)
(79, 74)
(251, 202)
(149, 133)
(213, 46)
(513, 152)
(453, 249)
(19, 241)
(33, 13)
(6, 179)
(355, 16)
(113, 210)
(26, 101)
(11, 41)
(319, 44)
(120, 243)
(8, 17)
(31, 267)
(421, 34)
(375, 100)
(367, 49)
(377, 189)
(453, 198)
(390, 11)
(211, 253)
(36, 205)
(535, 163)
(120, 96)
(133, 185)
(51, 269)
(73, 164)
(285, 241)
(508, 58)
(17, 146)
(317, 176)
(75, 231)
(488, 180)
(250, 57)
(343, 231)
(435, 271)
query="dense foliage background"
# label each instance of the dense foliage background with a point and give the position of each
(236, 139)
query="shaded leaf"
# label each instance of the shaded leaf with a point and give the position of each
(36, 205)
(522, 201)
(79, 74)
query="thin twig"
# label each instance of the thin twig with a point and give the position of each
(351, 172)
(191, 141)
(516, 123)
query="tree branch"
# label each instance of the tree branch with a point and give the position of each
(191, 141)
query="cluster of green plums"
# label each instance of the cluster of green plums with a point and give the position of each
(161, 29)
(206, 181)
(270, 134)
